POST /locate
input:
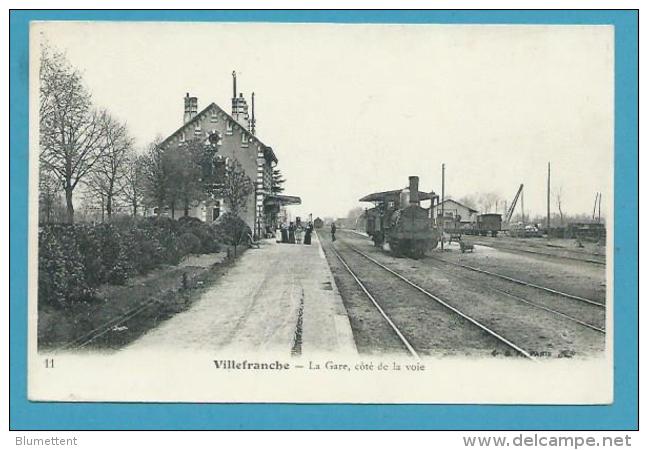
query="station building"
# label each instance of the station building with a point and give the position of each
(234, 137)
(453, 211)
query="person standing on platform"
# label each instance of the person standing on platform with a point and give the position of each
(307, 236)
(299, 231)
(291, 233)
(333, 228)
(284, 233)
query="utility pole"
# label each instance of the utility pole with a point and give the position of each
(596, 198)
(442, 203)
(548, 200)
(522, 206)
(599, 208)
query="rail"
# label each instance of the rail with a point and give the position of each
(443, 303)
(524, 283)
(530, 303)
(400, 335)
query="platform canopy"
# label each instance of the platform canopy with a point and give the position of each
(385, 196)
(281, 200)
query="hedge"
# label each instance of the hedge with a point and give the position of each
(73, 260)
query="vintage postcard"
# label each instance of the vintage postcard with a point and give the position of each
(329, 213)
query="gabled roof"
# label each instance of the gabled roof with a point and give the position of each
(251, 137)
(457, 203)
(381, 196)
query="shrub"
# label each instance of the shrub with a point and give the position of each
(61, 273)
(144, 249)
(106, 253)
(91, 255)
(231, 229)
(75, 259)
(189, 243)
(209, 242)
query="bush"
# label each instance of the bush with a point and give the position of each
(231, 229)
(75, 259)
(162, 232)
(144, 249)
(189, 243)
(209, 242)
(61, 272)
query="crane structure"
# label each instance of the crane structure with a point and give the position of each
(509, 212)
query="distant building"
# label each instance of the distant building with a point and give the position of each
(454, 211)
(234, 136)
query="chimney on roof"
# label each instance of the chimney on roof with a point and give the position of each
(239, 106)
(233, 88)
(253, 120)
(413, 188)
(190, 107)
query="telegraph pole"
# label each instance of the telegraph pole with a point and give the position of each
(442, 203)
(599, 208)
(522, 206)
(548, 200)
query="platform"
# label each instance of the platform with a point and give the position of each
(278, 298)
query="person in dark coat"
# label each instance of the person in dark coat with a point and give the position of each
(284, 233)
(307, 236)
(333, 228)
(291, 233)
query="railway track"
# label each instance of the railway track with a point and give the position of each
(523, 283)
(507, 248)
(527, 301)
(406, 343)
(94, 334)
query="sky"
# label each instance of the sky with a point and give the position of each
(355, 109)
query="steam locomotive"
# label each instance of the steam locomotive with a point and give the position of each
(398, 219)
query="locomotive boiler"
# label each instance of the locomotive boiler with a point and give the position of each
(398, 219)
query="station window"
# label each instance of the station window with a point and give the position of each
(216, 211)
(197, 130)
(214, 117)
(244, 139)
(220, 170)
(182, 137)
(230, 127)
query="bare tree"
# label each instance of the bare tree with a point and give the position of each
(488, 200)
(70, 133)
(132, 182)
(93, 201)
(109, 170)
(187, 167)
(235, 188)
(155, 176)
(558, 197)
(49, 197)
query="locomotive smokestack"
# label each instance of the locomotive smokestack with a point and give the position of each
(413, 188)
